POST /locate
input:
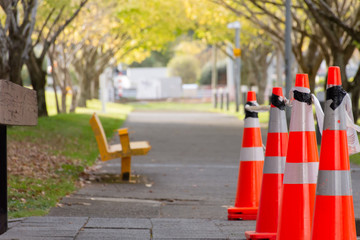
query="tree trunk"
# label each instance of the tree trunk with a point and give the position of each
(259, 69)
(85, 92)
(312, 77)
(4, 65)
(16, 63)
(96, 86)
(355, 103)
(55, 92)
(73, 100)
(38, 81)
(338, 60)
(310, 61)
(355, 93)
(261, 81)
(63, 101)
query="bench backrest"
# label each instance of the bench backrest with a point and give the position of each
(99, 135)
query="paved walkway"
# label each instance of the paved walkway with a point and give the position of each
(191, 171)
(184, 187)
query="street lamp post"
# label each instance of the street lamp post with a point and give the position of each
(237, 67)
(288, 52)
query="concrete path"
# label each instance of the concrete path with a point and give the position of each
(184, 187)
(191, 171)
(84, 228)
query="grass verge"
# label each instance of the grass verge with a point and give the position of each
(45, 161)
(196, 106)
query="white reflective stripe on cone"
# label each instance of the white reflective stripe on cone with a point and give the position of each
(335, 119)
(334, 183)
(251, 122)
(301, 117)
(275, 165)
(277, 121)
(251, 154)
(301, 173)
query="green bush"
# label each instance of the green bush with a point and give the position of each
(206, 72)
(184, 66)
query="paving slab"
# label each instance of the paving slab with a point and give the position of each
(125, 228)
(45, 228)
(120, 223)
(185, 229)
(114, 234)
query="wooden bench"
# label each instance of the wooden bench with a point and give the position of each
(124, 150)
(18, 106)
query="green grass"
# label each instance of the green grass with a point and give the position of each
(51, 103)
(204, 107)
(34, 197)
(70, 131)
(68, 135)
(355, 158)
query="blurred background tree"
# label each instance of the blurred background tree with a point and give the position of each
(80, 38)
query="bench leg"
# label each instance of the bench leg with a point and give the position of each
(125, 168)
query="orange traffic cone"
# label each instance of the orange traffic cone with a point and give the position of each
(275, 155)
(334, 209)
(251, 167)
(301, 168)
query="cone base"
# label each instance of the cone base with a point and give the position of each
(334, 218)
(242, 213)
(252, 235)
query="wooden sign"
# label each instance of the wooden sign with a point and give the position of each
(18, 105)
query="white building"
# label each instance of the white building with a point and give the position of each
(152, 83)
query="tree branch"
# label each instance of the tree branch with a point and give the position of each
(43, 27)
(332, 17)
(32, 7)
(60, 29)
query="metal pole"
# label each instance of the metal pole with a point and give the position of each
(236, 53)
(279, 80)
(3, 181)
(227, 101)
(288, 83)
(214, 74)
(237, 70)
(215, 94)
(230, 72)
(221, 99)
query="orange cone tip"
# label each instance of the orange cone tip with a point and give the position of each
(334, 76)
(302, 80)
(251, 96)
(278, 91)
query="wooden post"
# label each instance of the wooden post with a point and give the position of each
(3, 180)
(215, 97)
(18, 106)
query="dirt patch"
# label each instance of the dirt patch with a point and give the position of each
(35, 160)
